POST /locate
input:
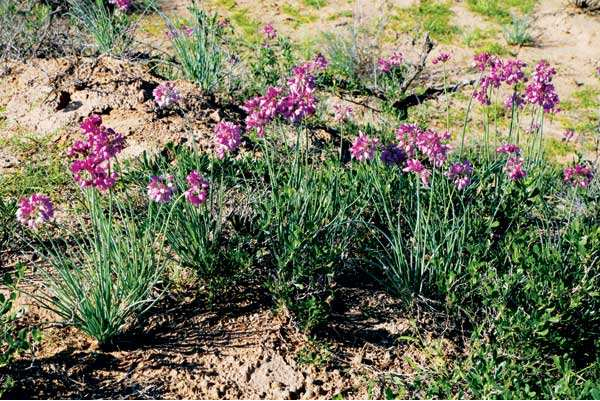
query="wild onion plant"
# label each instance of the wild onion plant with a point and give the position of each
(306, 231)
(109, 277)
(199, 49)
(111, 30)
(518, 32)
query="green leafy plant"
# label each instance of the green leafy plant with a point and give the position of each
(12, 340)
(518, 32)
(200, 51)
(108, 278)
(111, 30)
(302, 217)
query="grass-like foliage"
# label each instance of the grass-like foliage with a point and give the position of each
(305, 229)
(13, 340)
(111, 30)
(199, 49)
(518, 32)
(108, 279)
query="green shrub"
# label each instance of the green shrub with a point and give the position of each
(517, 33)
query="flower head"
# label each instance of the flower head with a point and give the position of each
(415, 166)
(508, 148)
(385, 65)
(568, 135)
(460, 174)
(269, 32)
(579, 176)
(227, 138)
(262, 110)
(123, 5)
(161, 189)
(341, 113)
(35, 210)
(514, 168)
(541, 90)
(197, 191)
(92, 168)
(363, 148)
(441, 58)
(165, 95)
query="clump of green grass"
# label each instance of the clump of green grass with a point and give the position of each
(500, 10)
(477, 36)
(518, 32)
(588, 98)
(45, 174)
(249, 26)
(298, 16)
(431, 16)
(493, 48)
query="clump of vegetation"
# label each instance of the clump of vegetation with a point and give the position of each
(518, 32)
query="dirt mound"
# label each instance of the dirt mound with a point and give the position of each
(53, 96)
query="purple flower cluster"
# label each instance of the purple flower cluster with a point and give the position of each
(541, 90)
(514, 168)
(294, 103)
(415, 166)
(341, 113)
(386, 65)
(431, 144)
(161, 189)
(269, 32)
(165, 95)
(92, 168)
(35, 210)
(508, 148)
(495, 72)
(197, 191)
(364, 147)
(578, 176)
(514, 164)
(441, 58)
(123, 5)
(227, 137)
(460, 174)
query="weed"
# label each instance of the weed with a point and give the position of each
(500, 10)
(298, 16)
(517, 33)
(430, 16)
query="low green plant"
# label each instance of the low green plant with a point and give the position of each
(200, 52)
(305, 231)
(21, 27)
(518, 32)
(13, 340)
(111, 30)
(108, 277)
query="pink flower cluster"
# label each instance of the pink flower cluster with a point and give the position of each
(497, 71)
(269, 32)
(35, 210)
(294, 103)
(341, 113)
(386, 65)
(123, 5)
(364, 147)
(514, 164)
(227, 137)
(431, 144)
(460, 174)
(415, 166)
(441, 58)
(514, 168)
(161, 189)
(165, 95)
(197, 191)
(93, 168)
(578, 176)
(541, 90)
